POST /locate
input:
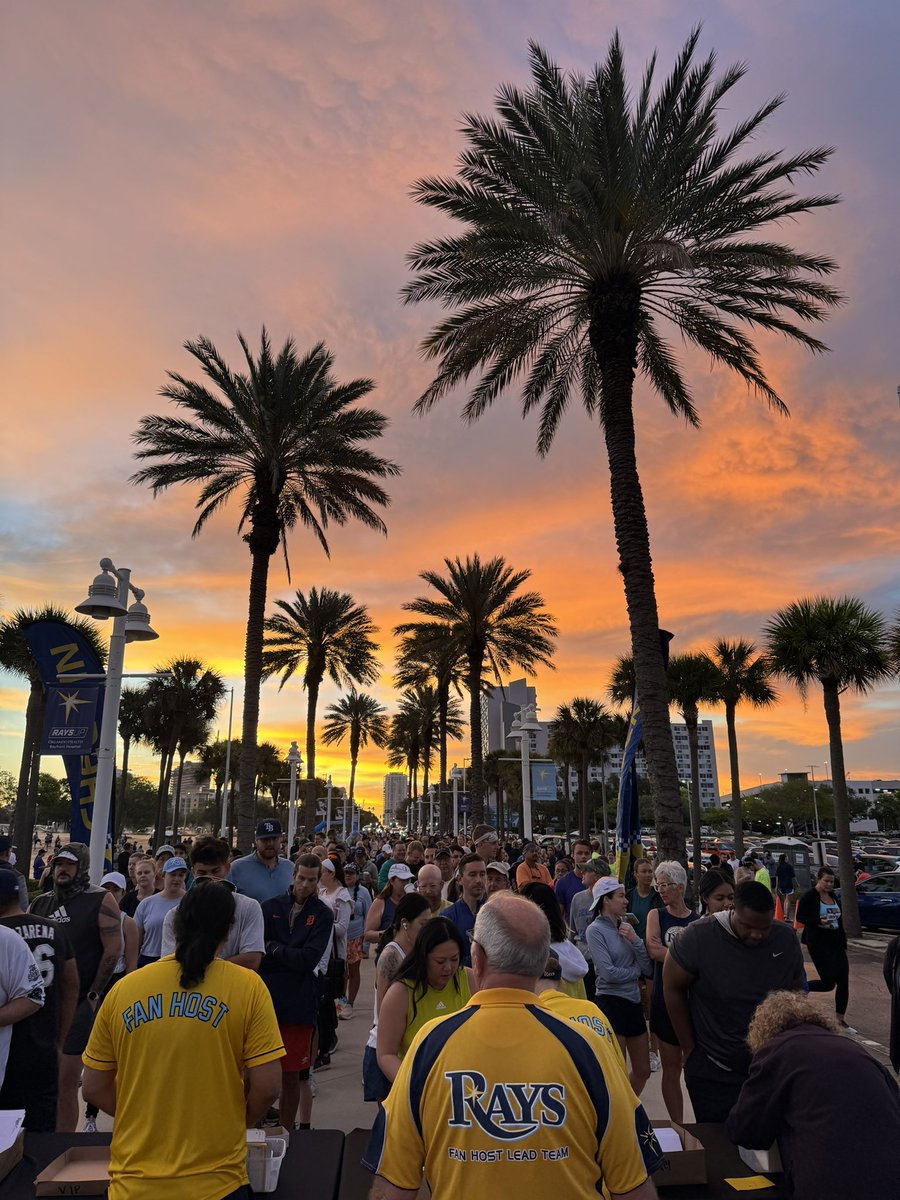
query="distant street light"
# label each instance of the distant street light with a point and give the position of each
(455, 776)
(812, 775)
(524, 724)
(107, 597)
(295, 762)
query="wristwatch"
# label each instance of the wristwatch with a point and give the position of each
(93, 996)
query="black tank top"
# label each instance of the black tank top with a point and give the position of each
(669, 929)
(79, 916)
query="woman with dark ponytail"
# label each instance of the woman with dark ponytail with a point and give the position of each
(190, 1005)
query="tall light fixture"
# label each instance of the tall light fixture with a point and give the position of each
(107, 597)
(524, 724)
(455, 776)
(294, 761)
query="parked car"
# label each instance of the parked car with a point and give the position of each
(879, 901)
(878, 864)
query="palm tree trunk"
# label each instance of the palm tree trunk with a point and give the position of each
(613, 332)
(476, 770)
(176, 806)
(29, 769)
(849, 903)
(690, 720)
(162, 811)
(737, 819)
(443, 697)
(123, 788)
(312, 700)
(263, 542)
(567, 767)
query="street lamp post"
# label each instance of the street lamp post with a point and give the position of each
(524, 724)
(328, 790)
(431, 808)
(107, 597)
(224, 827)
(812, 776)
(294, 761)
(455, 776)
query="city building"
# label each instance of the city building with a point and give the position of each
(396, 790)
(503, 704)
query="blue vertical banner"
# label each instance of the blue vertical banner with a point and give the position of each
(543, 783)
(69, 719)
(59, 649)
(628, 814)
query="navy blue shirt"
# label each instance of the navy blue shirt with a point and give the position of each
(567, 887)
(464, 919)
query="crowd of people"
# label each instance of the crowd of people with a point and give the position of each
(255, 962)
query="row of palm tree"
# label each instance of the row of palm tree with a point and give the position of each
(595, 215)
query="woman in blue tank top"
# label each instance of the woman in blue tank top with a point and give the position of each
(663, 926)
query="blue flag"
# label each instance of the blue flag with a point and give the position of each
(59, 649)
(543, 782)
(69, 720)
(628, 814)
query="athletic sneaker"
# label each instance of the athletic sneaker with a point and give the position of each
(322, 1063)
(655, 1062)
(846, 1028)
(346, 1012)
(90, 1125)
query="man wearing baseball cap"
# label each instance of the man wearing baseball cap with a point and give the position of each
(91, 919)
(264, 874)
(497, 877)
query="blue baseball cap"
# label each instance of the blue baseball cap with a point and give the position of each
(174, 864)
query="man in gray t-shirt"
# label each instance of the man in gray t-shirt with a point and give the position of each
(245, 946)
(716, 973)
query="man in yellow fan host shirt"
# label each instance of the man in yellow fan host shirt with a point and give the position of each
(194, 1008)
(505, 1097)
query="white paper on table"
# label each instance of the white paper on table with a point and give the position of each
(669, 1141)
(11, 1121)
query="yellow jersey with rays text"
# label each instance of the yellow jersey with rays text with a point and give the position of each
(590, 1019)
(179, 1055)
(506, 1095)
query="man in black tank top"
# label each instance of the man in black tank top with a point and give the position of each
(90, 917)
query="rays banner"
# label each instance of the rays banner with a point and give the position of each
(59, 649)
(628, 813)
(543, 783)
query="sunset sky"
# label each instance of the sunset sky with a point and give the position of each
(174, 170)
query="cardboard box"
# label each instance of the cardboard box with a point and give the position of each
(764, 1161)
(686, 1166)
(80, 1171)
(12, 1155)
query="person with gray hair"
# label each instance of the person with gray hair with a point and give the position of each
(465, 1093)
(664, 925)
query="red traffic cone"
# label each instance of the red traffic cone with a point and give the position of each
(779, 911)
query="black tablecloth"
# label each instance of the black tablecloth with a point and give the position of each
(356, 1181)
(722, 1162)
(311, 1167)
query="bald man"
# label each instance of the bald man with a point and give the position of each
(464, 1090)
(429, 884)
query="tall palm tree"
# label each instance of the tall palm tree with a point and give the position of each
(583, 726)
(434, 656)
(361, 717)
(283, 437)
(842, 645)
(597, 220)
(132, 728)
(490, 620)
(16, 657)
(323, 633)
(895, 644)
(181, 696)
(693, 680)
(743, 677)
(404, 749)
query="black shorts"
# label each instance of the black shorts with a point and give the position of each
(32, 1083)
(625, 1016)
(661, 1025)
(375, 1083)
(80, 1029)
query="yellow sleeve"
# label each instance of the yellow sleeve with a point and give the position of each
(396, 1150)
(629, 1150)
(100, 1053)
(262, 1037)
